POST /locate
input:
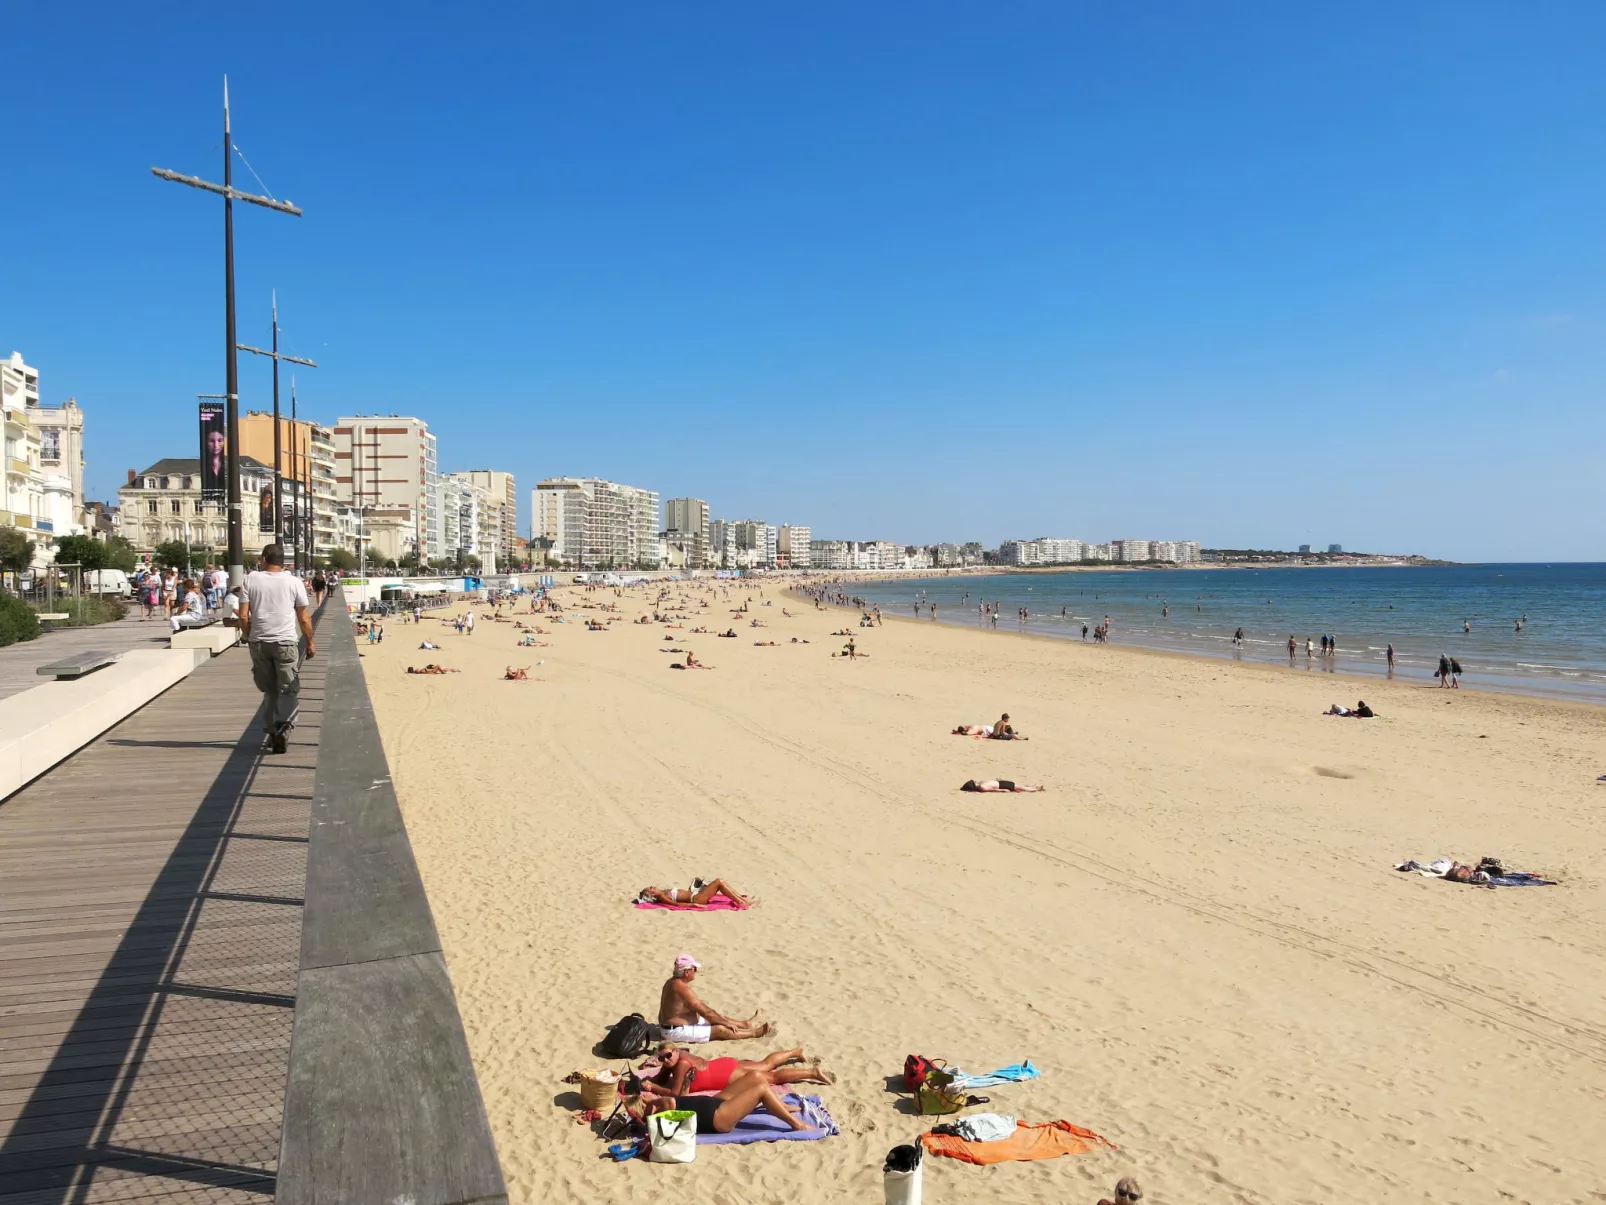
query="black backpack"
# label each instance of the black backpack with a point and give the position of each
(627, 1039)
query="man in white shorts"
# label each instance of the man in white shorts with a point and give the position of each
(687, 1019)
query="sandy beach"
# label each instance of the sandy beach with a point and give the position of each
(1196, 933)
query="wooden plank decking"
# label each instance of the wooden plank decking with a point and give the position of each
(150, 927)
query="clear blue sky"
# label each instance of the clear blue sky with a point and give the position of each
(1256, 274)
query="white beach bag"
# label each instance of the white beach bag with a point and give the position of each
(673, 1136)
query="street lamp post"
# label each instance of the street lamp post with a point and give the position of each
(278, 454)
(232, 376)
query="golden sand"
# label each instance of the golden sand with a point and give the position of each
(1196, 933)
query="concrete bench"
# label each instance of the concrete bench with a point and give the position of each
(213, 638)
(79, 664)
(40, 727)
(45, 616)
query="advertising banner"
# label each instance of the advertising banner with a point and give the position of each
(214, 452)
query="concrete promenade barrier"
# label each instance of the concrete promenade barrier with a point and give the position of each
(382, 1104)
(51, 722)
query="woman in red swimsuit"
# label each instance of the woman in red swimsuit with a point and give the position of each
(681, 1071)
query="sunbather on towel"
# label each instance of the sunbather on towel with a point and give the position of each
(682, 1071)
(1359, 712)
(696, 896)
(973, 730)
(991, 786)
(715, 1114)
(686, 1018)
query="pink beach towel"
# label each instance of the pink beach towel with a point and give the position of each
(718, 904)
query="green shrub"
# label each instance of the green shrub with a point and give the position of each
(17, 620)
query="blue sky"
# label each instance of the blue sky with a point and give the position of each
(1251, 274)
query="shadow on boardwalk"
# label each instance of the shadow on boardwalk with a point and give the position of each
(150, 921)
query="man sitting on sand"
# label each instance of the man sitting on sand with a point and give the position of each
(686, 1018)
(698, 895)
(992, 786)
(1003, 732)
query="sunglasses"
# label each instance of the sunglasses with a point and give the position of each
(1123, 1195)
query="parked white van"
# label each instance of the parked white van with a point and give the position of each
(108, 581)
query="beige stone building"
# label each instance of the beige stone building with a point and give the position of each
(307, 454)
(164, 503)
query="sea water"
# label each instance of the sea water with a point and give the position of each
(1560, 651)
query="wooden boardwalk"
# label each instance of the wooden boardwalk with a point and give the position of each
(150, 927)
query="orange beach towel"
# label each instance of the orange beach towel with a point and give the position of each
(1046, 1141)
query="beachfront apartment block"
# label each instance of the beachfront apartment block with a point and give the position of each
(503, 494)
(307, 455)
(597, 524)
(792, 546)
(389, 461)
(1045, 550)
(42, 487)
(686, 526)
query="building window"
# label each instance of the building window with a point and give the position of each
(199, 506)
(150, 484)
(152, 505)
(187, 483)
(50, 444)
(178, 506)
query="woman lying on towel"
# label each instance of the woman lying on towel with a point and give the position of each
(682, 1071)
(432, 668)
(991, 786)
(715, 1114)
(698, 895)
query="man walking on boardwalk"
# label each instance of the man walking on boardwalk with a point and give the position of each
(273, 608)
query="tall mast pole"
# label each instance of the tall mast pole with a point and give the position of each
(236, 534)
(278, 485)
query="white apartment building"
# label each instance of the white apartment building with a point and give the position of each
(688, 518)
(389, 461)
(597, 524)
(502, 492)
(792, 547)
(1129, 551)
(830, 554)
(471, 519)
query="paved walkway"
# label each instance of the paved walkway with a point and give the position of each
(19, 661)
(150, 926)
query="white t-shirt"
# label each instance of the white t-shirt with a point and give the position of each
(273, 599)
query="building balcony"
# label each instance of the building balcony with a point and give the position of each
(10, 518)
(20, 468)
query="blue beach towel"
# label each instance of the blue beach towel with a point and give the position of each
(1519, 878)
(1004, 1075)
(761, 1127)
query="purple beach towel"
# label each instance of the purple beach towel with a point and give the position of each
(718, 904)
(761, 1127)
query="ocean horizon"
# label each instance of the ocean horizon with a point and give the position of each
(1559, 653)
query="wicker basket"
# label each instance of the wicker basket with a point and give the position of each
(599, 1090)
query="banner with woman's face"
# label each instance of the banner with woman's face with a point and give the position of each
(214, 452)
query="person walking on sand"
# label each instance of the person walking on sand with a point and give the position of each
(1290, 650)
(1391, 659)
(1443, 672)
(276, 626)
(686, 1018)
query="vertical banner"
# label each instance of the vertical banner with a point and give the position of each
(265, 509)
(214, 452)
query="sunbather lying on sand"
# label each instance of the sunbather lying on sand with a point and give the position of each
(686, 1018)
(695, 896)
(519, 674)
(992, 786)
(973, 730)
(682, 1071)
(1359, 712)
(715, 1114)
(428, 645)
(432, 668)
